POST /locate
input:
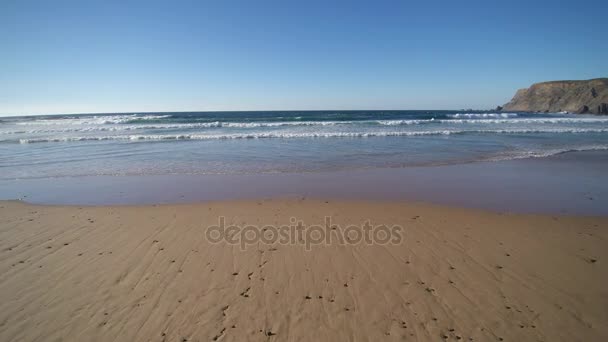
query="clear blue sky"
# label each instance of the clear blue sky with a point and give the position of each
(109, 56)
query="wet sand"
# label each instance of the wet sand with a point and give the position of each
(148, 273)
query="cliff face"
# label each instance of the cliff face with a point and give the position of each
(590, 96)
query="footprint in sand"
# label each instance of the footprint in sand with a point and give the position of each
(246, 292)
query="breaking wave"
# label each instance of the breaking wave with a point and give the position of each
(245, 125)
(482, 115)
(94, 120)
(290, 135)
(546, 153)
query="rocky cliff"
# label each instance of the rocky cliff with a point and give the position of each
(590, 96)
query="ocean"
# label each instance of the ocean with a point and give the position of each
(546, 163)
(282, 141)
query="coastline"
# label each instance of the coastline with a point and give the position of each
(500, 250)
(149, 272)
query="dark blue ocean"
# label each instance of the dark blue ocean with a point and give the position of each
(282, 141)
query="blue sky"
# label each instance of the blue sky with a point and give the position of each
(130, 56)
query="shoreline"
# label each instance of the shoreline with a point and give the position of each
(566, 184)
(349, 201)
(152, 273)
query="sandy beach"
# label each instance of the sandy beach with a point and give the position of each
(150, 273)
(183, 171)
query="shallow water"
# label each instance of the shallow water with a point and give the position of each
(570, 183)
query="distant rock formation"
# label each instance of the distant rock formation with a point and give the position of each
(590, 96)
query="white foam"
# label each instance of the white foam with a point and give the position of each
(547, 153)
(482, 115)
(216, 124)
(92, 120)
(289, 135)
(101, 123)
(398, 122)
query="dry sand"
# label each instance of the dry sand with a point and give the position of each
(147, 273)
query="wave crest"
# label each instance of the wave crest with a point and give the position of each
(482, 115)
(288, 135)
(251, 125)
(93, 120)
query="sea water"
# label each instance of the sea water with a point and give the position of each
(215, 143)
